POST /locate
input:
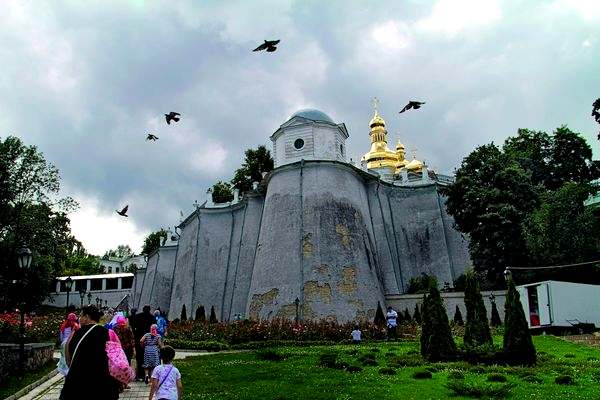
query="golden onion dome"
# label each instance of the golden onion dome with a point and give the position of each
(377, 120)
(414, 165)
(399, 146)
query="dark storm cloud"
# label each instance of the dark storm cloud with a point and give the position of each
(87, 81)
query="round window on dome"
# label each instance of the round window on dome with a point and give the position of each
(299, 144)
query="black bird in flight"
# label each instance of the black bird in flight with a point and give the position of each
(269, 45)
(412, 104)
(596, 110)
(151, 137)
(172, 116)
(123, 212)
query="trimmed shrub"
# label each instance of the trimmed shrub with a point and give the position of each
(458, 319)
(387, 371)
(183, 313)
(379, 316)
(368, 360)
(564, 380)
(353, 368)
(329, 360)
(532, 379)
(417, 314)
(456, 375)
(437, 343)
(569, 355)
(496, 378)
(422, 374)
(352, 352)
(495, 318)
(270, 355)
(518, 345)
(407, 361)
(470, 388)
(407, 317)
(200, 314)
(477, 330)
(213, 316)
(208, 345)
(476, 369)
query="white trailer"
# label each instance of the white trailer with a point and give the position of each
(560, 304)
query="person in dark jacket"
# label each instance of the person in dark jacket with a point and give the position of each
(141, 326)
(87, 360)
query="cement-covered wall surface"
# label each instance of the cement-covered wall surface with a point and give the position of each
(325, 232)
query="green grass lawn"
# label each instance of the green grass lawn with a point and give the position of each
(299, 375)
(14, 384)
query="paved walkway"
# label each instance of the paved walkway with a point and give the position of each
(50, 390)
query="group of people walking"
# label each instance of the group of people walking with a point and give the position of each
(87, 347)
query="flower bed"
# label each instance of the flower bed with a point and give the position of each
(258, 331)
(38, 328)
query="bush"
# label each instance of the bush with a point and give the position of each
(564, 380)
(437, 343)
(207, 345)
(270, 355)
(417, 314)
(200, 314)
(532, 379)
(456, 375)
(477, 331)
(353, 368)
(495, 318)
(471, 388)
(387, 371)
(477, 369)
(412, 360)
(422, 374)
(213, 316)
(328, 360)
(458, 319)
(379, 319)
(518, 345)
(368, 360)
(421, 284)
(569, 355)
(183, 313)
(496, 378)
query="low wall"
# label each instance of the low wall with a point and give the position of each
(36, 355)
(451, 300)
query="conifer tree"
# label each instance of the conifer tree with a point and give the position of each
(379, 316)
(518, 345)
(417, 314)
(213, 316)
(183, 313)
(495, 320)
(407, 316)
(477, 330)
(458, 319)
(200, 314)
(437, 343)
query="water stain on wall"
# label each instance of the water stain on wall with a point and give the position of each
(260, 300)
(348, 284)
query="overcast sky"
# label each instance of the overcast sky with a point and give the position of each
(85, 81)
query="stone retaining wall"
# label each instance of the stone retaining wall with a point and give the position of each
(36, 355)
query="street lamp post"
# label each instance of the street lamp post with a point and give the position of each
(98, 302)
(81, 296)
(68, 285)
(24, 258)
(297, 303)
(89, 298)
(507, 274)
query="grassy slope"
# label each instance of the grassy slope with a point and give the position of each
(14, 384)
(244, 376)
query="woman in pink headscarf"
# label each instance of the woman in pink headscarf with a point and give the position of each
(126, 338)
(67, 328)
(152, 343)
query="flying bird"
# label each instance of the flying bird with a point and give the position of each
(172, 116)
(596, 110)
(123, 212)
(269, 45)
(412, 105)
(151, 137)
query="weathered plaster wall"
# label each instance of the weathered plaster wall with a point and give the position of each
(316, 244)
(185, 267)
(160, 287)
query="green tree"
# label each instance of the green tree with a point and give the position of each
(407, 316)
(123, 251)
(417, 314)
(183, 313)
(437, 343)
(256, 162)
(477, 330)
(30, 214)
(213, 316)
(222, 192)
(153, 241)
(458, 319)
(495, 317)
(489, 199)
(562, 230)
(518, 345)
(379, 319)
(200, 314)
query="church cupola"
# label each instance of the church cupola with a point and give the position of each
(309, 134)
(380, 157)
